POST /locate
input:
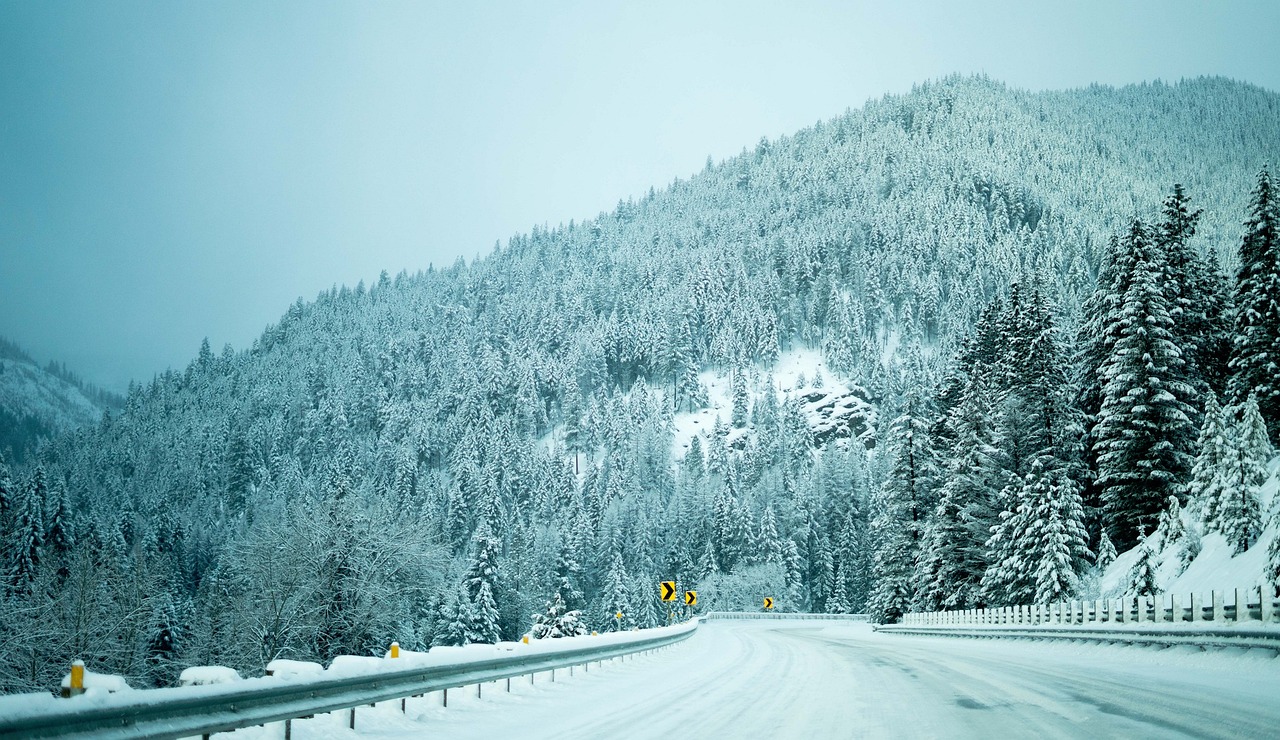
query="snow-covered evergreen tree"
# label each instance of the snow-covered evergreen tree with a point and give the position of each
(557, 621)
(1255, 351)
(740, 398)
(1142, 577)
(1144, 433)
(1205, 493)
(1106, 551)
(483, 627)
(1244, 470)
(954, 556)
(617, 596)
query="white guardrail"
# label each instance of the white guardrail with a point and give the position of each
(1126, 609)
(1246, 620)
(203, 710)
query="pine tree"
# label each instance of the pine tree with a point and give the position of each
(955, 552)
(903, 503)
(60, 536)
(769, 546)
(1171, 528)
(1039, 549)
(1143, 432)
(1197, 295)
(739, 387)
(1142, 577)
(453, 619)
(8, 496)
(708, 563)
(557, 621)
(1239, 514)
(1205, 473)
(617, 596)
(483, 627)
(27, 548)
(1255, 352)
(1058, 537)
(1106, 551)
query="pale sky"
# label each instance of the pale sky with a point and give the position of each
(171, 171)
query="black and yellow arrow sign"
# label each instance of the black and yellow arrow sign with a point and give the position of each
(668, 590)
(768, 602)
(691, 597)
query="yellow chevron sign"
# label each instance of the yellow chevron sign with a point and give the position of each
(691, 597)
(768, 602)
(668, 590)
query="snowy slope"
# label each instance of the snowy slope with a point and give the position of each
(837, 411)
(1215, 568)
(27, 390)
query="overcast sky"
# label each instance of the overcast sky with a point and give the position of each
(171, 171)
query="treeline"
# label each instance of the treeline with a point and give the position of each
(1018, 475)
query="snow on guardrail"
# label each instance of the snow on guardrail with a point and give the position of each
(1248, 620)
(1162, 608)
(204, 709)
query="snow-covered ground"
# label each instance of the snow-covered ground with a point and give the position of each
(796, 679)
(798, 373)
(28, 390)
(1216, 567)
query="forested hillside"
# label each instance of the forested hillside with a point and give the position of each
(37, 403)
(991, 274)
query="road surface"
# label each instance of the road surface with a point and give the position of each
(796, 679)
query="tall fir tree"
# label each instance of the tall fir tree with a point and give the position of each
(904, 502)
(1255, 351)
(1197, 296)
(954, 556)
(1144, 433)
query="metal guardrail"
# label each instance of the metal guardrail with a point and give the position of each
(1264, 638)
(1165, 608)
(786, 615)
(179, 712)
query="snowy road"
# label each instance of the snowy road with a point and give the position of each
(816, 680)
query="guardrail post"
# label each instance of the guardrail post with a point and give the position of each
(1219, 613)
(1175, 608)
(1197, 609)
(1242, 605)
(288, 729)
(77, 680)
(352, 722)
(444, 698)
(1264, 602)
(1097, 611)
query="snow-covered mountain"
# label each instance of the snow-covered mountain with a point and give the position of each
(524, 426)
(37, 402)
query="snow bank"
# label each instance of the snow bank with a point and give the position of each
(1216, 568)
(208, 675)
(289, 670)
(99, 682)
